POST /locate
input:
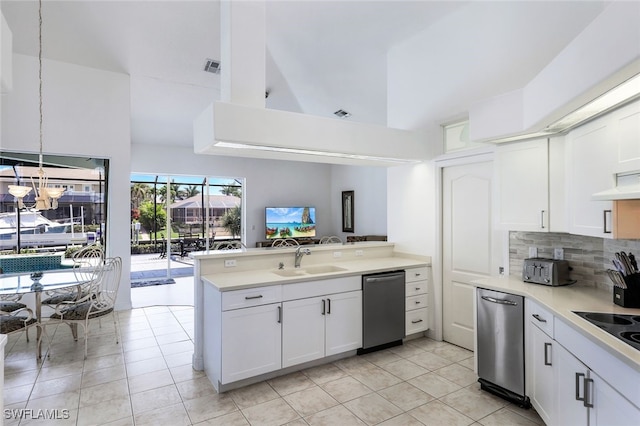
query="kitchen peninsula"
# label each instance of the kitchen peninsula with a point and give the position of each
(251, 307)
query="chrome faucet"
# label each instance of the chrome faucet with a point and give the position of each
(299, 253)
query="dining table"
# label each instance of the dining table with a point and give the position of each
(37, 283)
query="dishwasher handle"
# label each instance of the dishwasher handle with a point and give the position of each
(499, 301)
(383, 277)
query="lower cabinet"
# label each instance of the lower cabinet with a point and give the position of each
(562, 384)
(543, 370)
(252, 342)
(316, 327)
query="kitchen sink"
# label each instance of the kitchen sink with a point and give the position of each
(289, 272)
(310, 270)
(323, 269)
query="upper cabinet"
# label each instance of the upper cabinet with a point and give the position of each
(521, 172)
(625, 127)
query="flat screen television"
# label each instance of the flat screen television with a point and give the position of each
(290, 222)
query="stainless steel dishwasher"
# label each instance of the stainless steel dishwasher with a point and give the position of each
(500, 333)
(383, 310)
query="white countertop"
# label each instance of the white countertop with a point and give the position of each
(563, 300)
(228, 281)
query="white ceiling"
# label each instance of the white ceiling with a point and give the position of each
(322, 55)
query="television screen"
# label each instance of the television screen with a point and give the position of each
(290, 222)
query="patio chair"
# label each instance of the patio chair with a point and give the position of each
(97, 303)
(330, 240)
(285, 242)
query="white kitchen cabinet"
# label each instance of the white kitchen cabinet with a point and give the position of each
(591, 160)
(610, 408)
(569, 377)
(316, 327)
(252, 342)
(625, 124)
(521, 172)
(417, 300)
(343, 322)
(542, 373)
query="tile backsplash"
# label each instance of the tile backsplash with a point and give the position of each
(589, 257)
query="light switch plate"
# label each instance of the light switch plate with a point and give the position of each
(229, 263)
(533, 251)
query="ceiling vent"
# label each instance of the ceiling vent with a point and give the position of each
(342, 113)
(212, 66)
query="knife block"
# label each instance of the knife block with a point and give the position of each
(628, 297)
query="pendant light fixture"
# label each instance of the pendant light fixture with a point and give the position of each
(46, 198)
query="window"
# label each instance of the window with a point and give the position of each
(79, 219)
(456, 137)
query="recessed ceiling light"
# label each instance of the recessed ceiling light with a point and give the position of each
(212, 66)
(342, 113)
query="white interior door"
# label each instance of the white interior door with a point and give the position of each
(469, 247)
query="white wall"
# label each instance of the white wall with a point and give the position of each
(269, 183)
(86, 113)
(370, 199)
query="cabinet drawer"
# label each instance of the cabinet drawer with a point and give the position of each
(417, 274)
(251, 297)
(541, 318)
(417, 302)
(415, 288)
(417, 320)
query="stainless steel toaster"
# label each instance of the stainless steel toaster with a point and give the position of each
(543, 271)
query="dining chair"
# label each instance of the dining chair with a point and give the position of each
(9, 303)
(87, 264)
(228, 245)
(330, 240)
(97, 303)
(13, 322)
(285, 242)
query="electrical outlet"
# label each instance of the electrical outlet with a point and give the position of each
(337, 254)
(229, 263)
(359, 253)
(533, 251)
(558, 253)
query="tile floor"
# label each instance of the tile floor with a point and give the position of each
(148, 380)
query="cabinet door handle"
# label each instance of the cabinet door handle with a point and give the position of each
(279, 314)
(588, 393)
(604, 225)
(324, 306)
(253, 297)
(541, 219)
(547, 346)
(578, 377)
(416, 321)
(539, 318)
(328, 306)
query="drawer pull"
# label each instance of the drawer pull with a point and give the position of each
(418, 289)
(418, 274)
(253, 297)
(417, 302)
(539, 318)
(416, 321)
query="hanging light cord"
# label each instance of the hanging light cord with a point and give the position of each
(40, 72)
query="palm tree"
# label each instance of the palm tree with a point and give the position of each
(139, 193)
(231, 190)
(190, 191)
(162, 192)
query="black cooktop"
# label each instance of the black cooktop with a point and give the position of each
(624, 327)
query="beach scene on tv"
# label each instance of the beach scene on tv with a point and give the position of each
(290, 222)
